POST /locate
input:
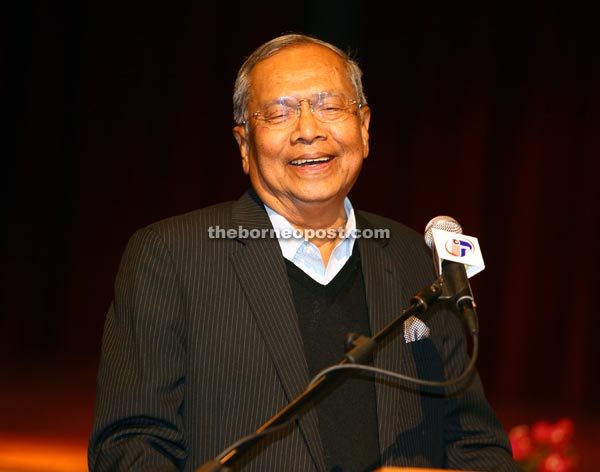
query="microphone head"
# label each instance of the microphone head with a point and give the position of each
(445, 223)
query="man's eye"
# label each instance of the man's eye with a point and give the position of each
(277, 113)
(330, 108)
(332, 103)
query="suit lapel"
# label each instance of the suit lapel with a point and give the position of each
(263, 276)
(384, 296)
(385, 299)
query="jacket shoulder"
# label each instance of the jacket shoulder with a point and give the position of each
(375, 221)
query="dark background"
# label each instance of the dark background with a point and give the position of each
(119, 114)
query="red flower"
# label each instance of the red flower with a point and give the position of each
(520, 440)
(562, 434)
(541, 432)
(555, 436)
(545, 447)
(556, 462)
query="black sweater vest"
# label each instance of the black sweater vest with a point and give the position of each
(347, 413)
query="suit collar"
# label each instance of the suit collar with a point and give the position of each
(249, 212)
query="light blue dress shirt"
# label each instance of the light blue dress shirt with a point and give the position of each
(306, 256)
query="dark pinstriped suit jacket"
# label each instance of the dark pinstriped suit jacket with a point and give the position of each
(202, 346)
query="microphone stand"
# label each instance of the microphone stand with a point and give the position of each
(359, 348)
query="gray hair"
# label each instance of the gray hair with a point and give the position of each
(241, 89)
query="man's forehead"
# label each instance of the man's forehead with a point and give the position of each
(299, 70)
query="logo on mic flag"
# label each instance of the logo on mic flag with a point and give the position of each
(458, 248)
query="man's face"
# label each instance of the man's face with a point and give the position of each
(310, 162)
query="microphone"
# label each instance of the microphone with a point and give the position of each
(455, 259)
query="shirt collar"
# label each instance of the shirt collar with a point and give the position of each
(290, 245)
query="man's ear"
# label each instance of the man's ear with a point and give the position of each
(241, 137)
(365, 121)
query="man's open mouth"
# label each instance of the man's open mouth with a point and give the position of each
(311, 162)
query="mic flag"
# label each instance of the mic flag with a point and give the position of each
(451, 246)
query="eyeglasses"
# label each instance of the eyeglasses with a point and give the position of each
(325, 107)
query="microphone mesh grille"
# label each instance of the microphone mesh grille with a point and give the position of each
(445, 223)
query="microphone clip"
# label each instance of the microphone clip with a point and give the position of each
(456, 287)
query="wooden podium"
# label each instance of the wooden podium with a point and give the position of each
(413, 469)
